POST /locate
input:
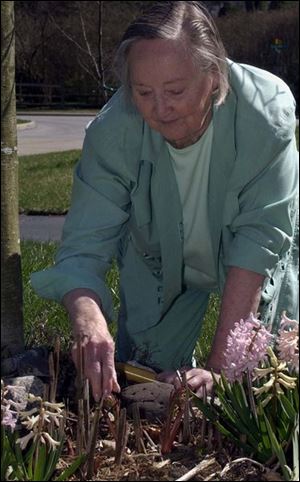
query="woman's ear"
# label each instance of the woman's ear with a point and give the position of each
(215, 84)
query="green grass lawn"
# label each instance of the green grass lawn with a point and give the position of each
(46, 181)
(22, 121)
(43, 319)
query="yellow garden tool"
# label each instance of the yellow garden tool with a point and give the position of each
(135, 374)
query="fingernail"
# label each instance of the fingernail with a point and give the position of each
(97, 397)
(105, 393)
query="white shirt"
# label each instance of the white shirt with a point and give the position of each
(191, 166)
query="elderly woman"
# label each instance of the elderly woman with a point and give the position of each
(188, 177)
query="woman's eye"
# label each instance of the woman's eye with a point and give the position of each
(176, 92)
(144, 94)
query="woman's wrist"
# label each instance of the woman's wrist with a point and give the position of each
(84, 310)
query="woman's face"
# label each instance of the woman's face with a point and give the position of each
(171, 95)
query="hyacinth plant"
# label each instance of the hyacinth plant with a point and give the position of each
(33, 451)
(256, 401)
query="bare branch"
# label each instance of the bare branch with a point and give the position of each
(87, 70)
(92, 57)
(67, 35)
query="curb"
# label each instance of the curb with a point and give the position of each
(66, 114)
(27, 125)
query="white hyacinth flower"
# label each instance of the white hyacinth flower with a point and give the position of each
(31, 422)
(23, 441)
(51, 442)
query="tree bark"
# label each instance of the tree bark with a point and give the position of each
(12, 339)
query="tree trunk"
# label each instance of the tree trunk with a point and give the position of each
(12, 339)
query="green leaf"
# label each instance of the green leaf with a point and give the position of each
(245, 420)
(296, 450)
(52, 461)
(295, 394)
(241, 420)
(21, 462)
(227, 426)
(278, 451)
(243, 407)
(29, 458)
(40, 461)
(66, 474)
(288, 407)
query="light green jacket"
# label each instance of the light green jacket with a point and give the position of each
(125, 204)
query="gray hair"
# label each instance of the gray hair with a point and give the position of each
(189, 22)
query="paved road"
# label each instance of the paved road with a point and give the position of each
(41, 228)
(52, 133)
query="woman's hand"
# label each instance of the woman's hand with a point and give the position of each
(197, 379)
(98, 346)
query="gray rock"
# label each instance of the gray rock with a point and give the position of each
(152, 399)
(30, 362)
(19, 388)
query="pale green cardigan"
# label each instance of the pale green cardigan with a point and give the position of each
(125, 204)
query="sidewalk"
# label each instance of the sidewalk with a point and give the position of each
(41, 228)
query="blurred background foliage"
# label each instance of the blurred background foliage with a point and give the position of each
(52, 39)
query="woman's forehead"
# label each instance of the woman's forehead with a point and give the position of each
(151, 58)
(157, 47)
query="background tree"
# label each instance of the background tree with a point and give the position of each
(12, 339)
(89, 59)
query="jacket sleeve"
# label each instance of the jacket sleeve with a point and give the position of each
(263, 227)
(95, 223)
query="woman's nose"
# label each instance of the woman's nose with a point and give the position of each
(162, 108)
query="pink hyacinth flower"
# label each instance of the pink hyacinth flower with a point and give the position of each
(9, 417)
(288, 342)
(247, 346)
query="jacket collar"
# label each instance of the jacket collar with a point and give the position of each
(223, 156)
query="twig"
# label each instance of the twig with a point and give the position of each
(122, 437)
(251, 396)
(52, 376)
(46, 391)
(86, 408)
(204, 464)
(219, 439)
(186, 430)
(93, 439)
(229, 465)
(137, 427)
(81, 440)
(153, 445)
(51, 390)
(80, 368)
(210, 433)
(54, 369)
(56, 362)
(204, 423)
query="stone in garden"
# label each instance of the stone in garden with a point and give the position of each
(151, 398)
(30, 362)
(19, 388)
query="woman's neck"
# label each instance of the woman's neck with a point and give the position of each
(195, 136)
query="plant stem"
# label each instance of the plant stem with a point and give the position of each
(93, 439)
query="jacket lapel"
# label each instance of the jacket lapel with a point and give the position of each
(168, 214)
(222, 161)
